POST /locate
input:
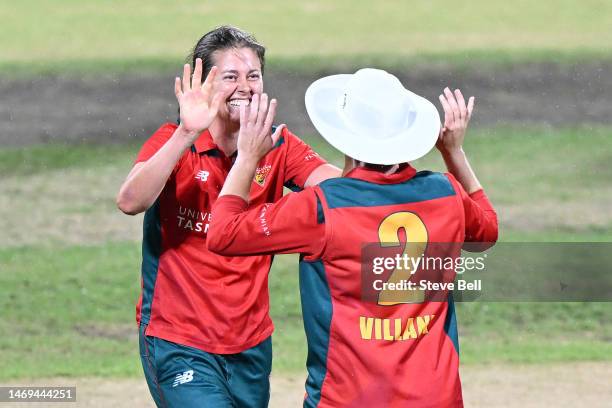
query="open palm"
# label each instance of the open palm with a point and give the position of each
(198, 102)
(457, 116)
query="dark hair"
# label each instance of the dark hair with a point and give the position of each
(222, 38)
(382, 168)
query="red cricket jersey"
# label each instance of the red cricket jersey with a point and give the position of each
(364, 353)
(189, 295)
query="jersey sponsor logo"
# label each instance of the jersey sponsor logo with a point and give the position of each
(182, 378)
(311, 155)
(373, 328)
(261, 173)
(263, 221)
(202, 175)
(193, 220)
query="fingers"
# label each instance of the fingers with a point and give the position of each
(259, 117)
(243, 115)
(186, 77)
(177, 88)
(263, 111)
(455, 109)
(256, 120)
(208, 83)
(448, 112)
(254, 109)
(470, 107)
(450, 98)
(277, 134)
(267, 125)
(196, 80)
(216, 103)
(456, 118)
(461, 104)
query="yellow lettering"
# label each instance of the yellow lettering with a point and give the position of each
(372, 328)
(365, 326)
(423, 323)
(387, 329)
(409, 332)
(377, 330)
(398, 329)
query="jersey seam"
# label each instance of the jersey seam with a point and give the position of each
(454, 184)
(328, 224)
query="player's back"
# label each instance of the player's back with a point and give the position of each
(370, 345)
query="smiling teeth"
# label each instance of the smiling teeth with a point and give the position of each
(237, 103)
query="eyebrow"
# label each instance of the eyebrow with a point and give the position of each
(233, 71)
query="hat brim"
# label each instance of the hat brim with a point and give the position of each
(409, 144)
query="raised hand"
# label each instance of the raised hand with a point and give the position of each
(198, 102)
(456, 118)
(254, 139)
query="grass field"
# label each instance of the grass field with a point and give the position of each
(115, 34)
(69, 261)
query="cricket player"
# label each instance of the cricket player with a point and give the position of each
(204, 318)
(360, 353)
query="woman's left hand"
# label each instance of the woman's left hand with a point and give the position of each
(255, 138)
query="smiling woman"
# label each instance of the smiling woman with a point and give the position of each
(240, 72)
(241, 61)
(197, 307)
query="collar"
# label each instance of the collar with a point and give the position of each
(205, 142)
(404, 173)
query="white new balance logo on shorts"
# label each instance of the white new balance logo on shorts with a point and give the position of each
(202, 175)
(183, 378)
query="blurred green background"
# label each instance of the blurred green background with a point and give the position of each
(70, 261)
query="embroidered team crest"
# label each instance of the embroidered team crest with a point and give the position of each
(261, 173)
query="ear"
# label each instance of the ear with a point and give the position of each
(349, 164)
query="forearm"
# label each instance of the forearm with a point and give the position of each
(238, 181)
(146, 180)
(458, 165)
(289, 225)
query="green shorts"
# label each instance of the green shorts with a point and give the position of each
(183, 376)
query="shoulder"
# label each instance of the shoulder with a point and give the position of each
(287, 143)
(453, 182)
(297, 149)
(165, 130)
(287, 134)
(162, 134)
(156, 141)
(434, 180)
(288, 139)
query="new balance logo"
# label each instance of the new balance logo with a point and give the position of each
(202, 175)
(183, 378)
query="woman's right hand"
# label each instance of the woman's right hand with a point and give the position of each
(198, 102)
(457, 116)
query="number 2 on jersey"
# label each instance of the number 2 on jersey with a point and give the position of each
(416, 242)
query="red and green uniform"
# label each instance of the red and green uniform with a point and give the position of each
(362, 353)
(191, 296)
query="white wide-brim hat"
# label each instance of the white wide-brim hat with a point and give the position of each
(371, 117)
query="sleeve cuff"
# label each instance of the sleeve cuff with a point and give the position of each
(300, 179)
(478, 194)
